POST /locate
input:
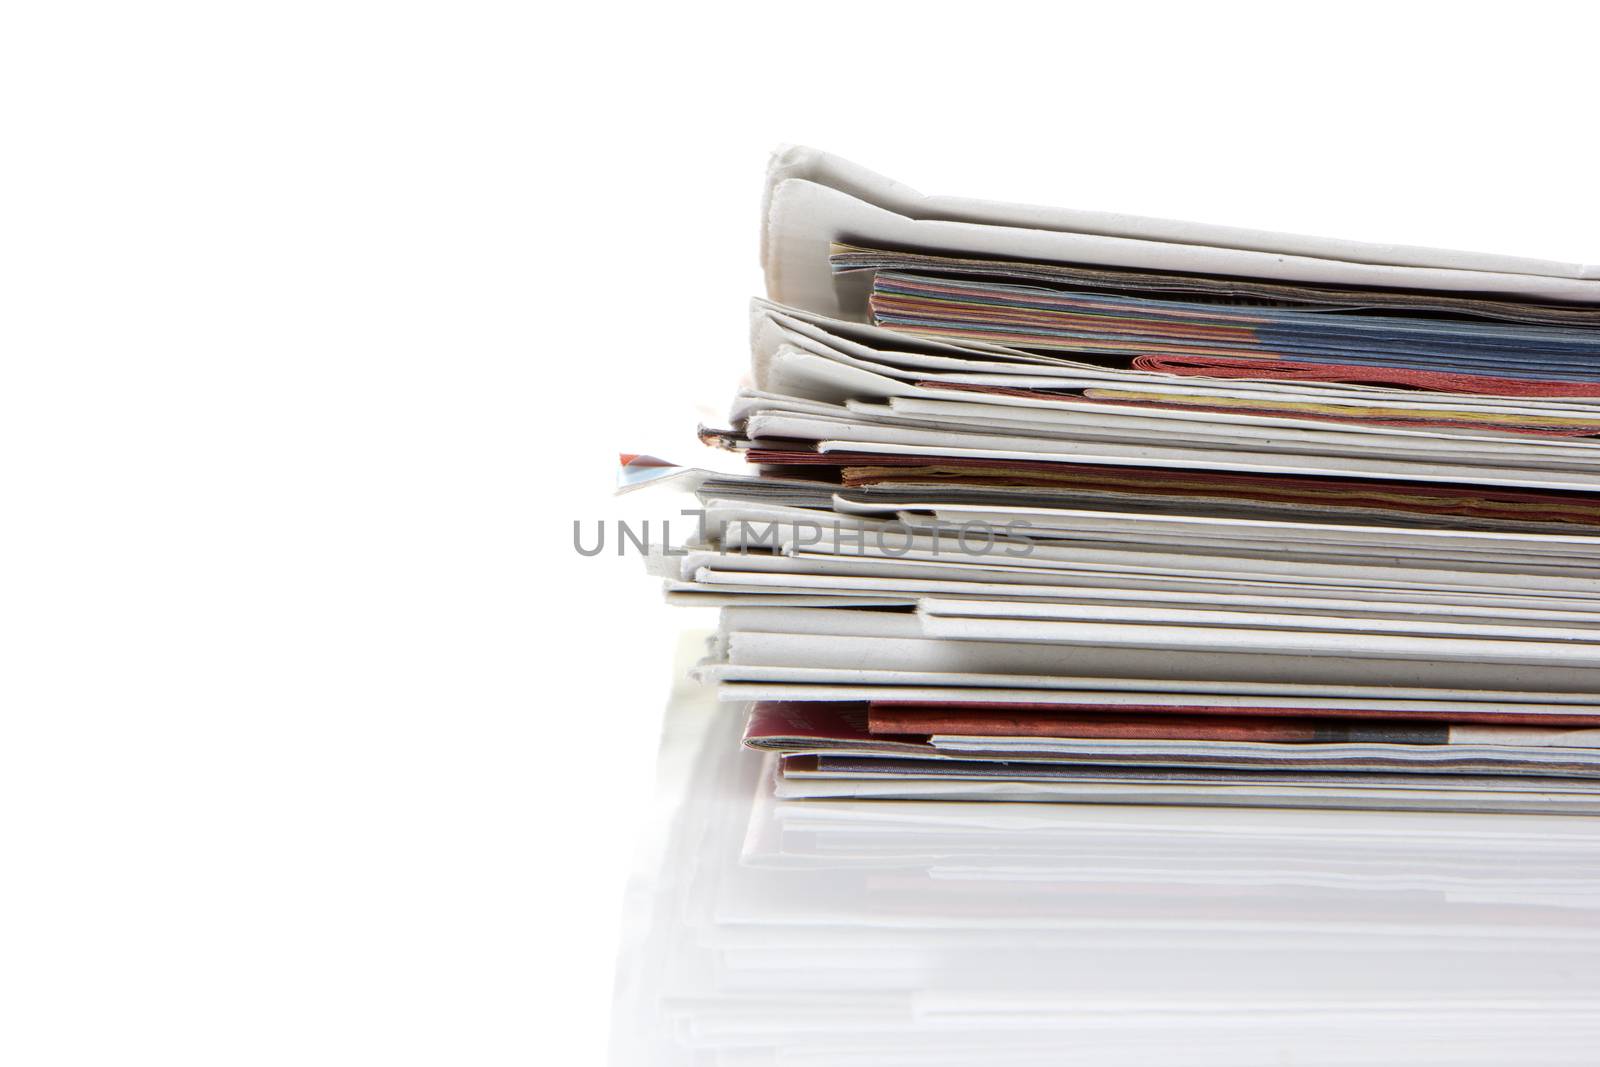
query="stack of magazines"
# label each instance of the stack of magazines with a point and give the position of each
(1054, 505)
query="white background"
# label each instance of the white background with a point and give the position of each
(323, 322)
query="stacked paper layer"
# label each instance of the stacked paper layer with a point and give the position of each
(768, 931)
(1051, 505)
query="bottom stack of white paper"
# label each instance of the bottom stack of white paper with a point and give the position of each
(766, 931)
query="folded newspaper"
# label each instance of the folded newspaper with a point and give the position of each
(1052, 505)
